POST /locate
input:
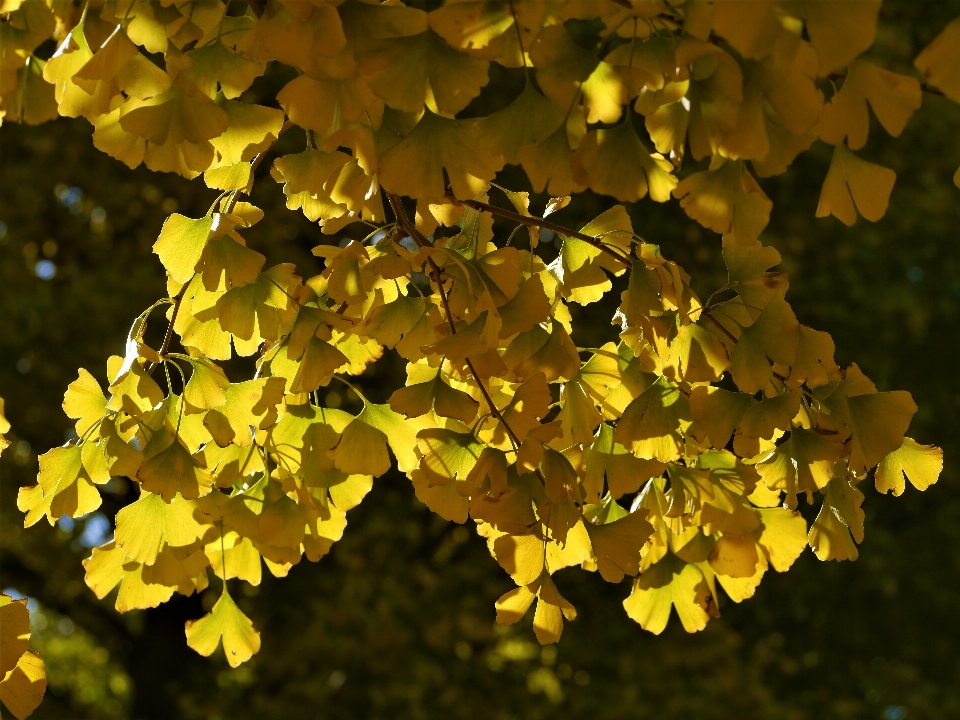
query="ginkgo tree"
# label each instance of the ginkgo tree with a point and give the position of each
(675, 453)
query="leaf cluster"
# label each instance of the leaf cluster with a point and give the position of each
(674, 454)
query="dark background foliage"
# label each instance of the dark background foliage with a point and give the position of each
(398, 620)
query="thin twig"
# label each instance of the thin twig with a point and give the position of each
(177, 302)
(720, 326)
(545, 225)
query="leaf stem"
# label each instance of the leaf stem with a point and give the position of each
(177, 302)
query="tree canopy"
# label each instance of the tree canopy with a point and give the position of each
(672, 448)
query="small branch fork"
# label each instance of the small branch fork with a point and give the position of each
(411, 230)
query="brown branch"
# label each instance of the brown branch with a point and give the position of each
(545, 225)
(422, 242)
(721, 327)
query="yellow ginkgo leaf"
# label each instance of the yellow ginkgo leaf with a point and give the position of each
(175, 117)
(215, 66)
(228, 263)
(400, 432)
(814, 364)
(652, 425)
(66, 485)
(182, 568)
(445, 500)
(259, 310)
(670, 583)
(751, 26)
(168, 470)
(391, 322)
(21, 691)
(840, 31)
(362, 450)
(893, 98)
(941, 58)
(616, 162)
(250, 404)
(34, 100)
(528, 119)
(315, 104)
(144, 527)
(447, 455)
(562, 65)
(877, 421)
(84, 402)
(14, 632)
(104, 569)
(921, 464)
(840, 517)
(415, 166)
(206, 386)
(855, 183)
(302, 35)
(181, 244)
(556, 358)
(775, 334)
(446, 401)
(514, 604)
(552, 608)
(4, 428)
(718, 412)
(801, 464)
(547, 163)
(783, 536)
(617, 545)
(472, 23)
(112, 139)
(747, 272)
(522, 556)
(251, 128)
(240, 639)
(726, 199)
(625, 473)
(765, 420)
(304, 175)
(406, 72)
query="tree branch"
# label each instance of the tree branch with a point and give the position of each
(411, 230)
(545, 225)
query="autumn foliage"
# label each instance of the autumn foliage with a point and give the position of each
(674, 454)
